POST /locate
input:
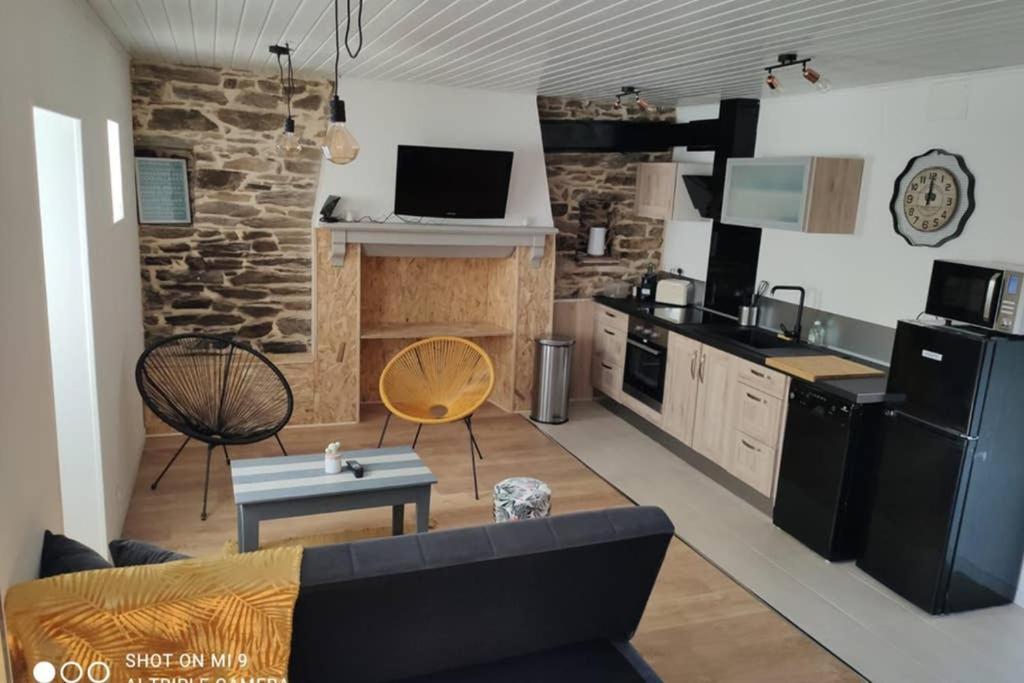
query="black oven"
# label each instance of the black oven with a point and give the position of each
(643, 376)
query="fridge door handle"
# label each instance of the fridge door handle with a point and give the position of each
(990, 294)
(892, 412)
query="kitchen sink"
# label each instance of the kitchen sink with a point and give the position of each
(756, 338)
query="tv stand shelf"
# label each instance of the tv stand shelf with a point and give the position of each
(402, 330)
(438, 240)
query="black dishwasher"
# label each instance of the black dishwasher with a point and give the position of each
(825, 470)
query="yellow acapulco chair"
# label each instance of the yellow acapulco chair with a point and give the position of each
(436, 381)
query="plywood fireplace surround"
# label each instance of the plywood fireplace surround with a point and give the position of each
(368, 307)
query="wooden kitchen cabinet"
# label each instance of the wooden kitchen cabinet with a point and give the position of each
(712, 424)
(661, 191)
(752, 462)
(609, 344)
(681, 387)
(801, 194)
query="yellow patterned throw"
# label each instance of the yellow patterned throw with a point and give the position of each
(193, 621)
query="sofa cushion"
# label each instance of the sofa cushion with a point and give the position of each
(128, 553)
(596, 661)
(63, 555)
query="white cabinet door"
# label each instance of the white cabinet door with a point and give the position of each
(767, 193)
(681, 385)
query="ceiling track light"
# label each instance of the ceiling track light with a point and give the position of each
(628, 91)
(788, 59)
(289, 144)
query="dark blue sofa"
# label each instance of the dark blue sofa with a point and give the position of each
(542, 600)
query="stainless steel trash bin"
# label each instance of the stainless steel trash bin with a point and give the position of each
(552, 368)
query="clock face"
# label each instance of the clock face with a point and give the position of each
(932, 199)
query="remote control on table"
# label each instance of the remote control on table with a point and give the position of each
(356, 468)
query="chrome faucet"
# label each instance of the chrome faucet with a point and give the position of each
(795, 332)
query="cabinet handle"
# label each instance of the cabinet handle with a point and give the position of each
(606, 366)
(700, 371)
(749, 446)
(753, 398)
(611, 332)
(757, 373)
(609, 314)
(693, 364)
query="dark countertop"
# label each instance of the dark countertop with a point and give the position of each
(714, 329)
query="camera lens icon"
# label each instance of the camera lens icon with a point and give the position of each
(44, 672)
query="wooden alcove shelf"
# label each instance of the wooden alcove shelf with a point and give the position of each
(417, 330)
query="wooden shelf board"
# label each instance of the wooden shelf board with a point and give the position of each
(400, 330)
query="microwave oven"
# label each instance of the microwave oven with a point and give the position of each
(983, 294)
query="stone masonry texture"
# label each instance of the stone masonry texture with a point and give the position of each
(244, 267)
(599, 189)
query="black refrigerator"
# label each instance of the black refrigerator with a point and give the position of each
(946, 516)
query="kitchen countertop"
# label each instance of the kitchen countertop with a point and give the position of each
(712, 328)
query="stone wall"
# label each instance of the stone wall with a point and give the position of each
(244, 267)
(598, 189)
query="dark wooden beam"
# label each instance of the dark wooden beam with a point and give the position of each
(627, 136)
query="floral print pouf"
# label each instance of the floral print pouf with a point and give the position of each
(521, 498)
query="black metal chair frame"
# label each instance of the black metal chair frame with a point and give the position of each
(473, 445)
(185, 426)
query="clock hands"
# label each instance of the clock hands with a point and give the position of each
(931, 193)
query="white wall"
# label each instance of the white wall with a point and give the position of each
(384, 115)
(65, 60)
(874, 275)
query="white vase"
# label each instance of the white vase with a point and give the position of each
(595, 246)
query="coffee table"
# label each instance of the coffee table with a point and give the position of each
(296, 485)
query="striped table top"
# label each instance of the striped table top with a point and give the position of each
(287, 477)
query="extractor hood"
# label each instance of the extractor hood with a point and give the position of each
(696, 193)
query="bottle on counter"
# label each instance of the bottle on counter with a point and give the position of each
(817, 334)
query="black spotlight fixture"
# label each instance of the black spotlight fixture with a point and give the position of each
(289, 143)
(629, 92)
(788, 59)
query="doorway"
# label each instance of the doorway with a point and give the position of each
(58, 144)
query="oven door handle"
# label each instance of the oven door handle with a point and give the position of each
(643, 347)
(990, 294)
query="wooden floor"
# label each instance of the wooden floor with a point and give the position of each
(699, 624)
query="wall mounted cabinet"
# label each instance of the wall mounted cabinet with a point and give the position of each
(661, 190)
(802, 194)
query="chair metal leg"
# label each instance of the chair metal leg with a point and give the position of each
(417, 437)
(469, 423)
(380, 441)
(472, 458)
(171, 462)
(206, 486)
(227, 458)
(280, 444)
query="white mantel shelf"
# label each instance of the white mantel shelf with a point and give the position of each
(437, 240)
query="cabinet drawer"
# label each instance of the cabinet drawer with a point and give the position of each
(752, 462)
(758, 414)
(609, 343)
(760, 377)
(611, 318)
(607, 378)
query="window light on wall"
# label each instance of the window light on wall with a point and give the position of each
(114, 155)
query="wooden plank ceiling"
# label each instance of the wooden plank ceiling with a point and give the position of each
(671, 49)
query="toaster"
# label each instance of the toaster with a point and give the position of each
(673, 292)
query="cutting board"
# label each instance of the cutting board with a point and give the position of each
(814, 368)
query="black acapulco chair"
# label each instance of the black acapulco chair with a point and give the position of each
(214, 390)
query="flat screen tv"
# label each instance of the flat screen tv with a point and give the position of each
(444, 182)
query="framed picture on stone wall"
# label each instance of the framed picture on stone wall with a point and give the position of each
(161, 185)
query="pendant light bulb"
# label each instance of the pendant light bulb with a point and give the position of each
(289, 144)
(340, 146)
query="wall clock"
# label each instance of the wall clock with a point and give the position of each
(932, 198)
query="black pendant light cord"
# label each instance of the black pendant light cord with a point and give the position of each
(287, 85)
(337, 38)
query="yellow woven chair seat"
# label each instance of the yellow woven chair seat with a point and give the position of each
(437, 380)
